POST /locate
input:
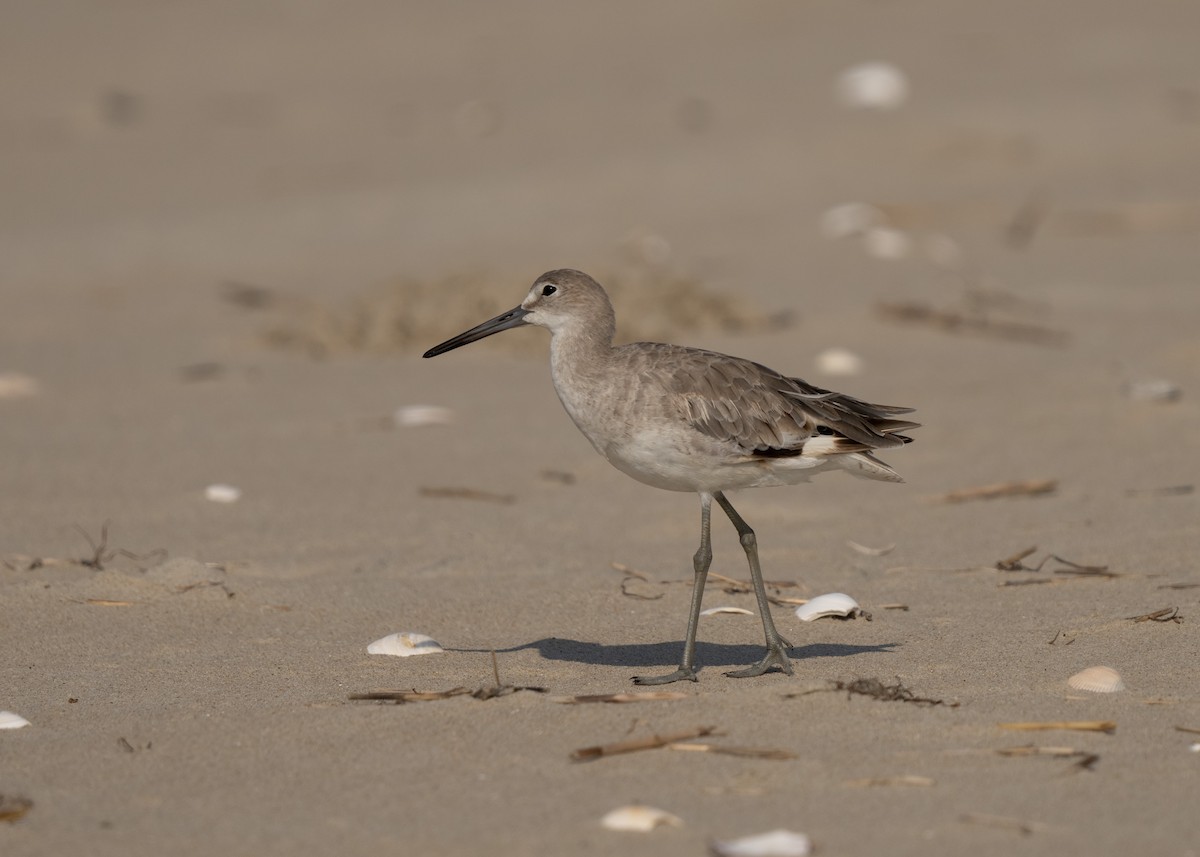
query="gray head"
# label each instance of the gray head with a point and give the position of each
(561, 301)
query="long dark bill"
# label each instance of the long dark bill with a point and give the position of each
(515, 317)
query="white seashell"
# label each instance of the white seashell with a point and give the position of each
(414, 416)
(872, 86)
(9, 720)
(16, 385)
(777, 843)
(712, 611)
(221, 493)
(839, 361)
(850, 218)
(641, 819)
(404, 644)
(1097, 680)
(883, 242)
(833, 604)
(1195, 748)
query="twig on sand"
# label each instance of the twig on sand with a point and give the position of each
(633, 745)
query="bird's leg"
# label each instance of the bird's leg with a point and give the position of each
(777, 646)
(700, 562)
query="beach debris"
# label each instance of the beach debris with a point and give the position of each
(849, 219)
(632, 574)
(872, 86)
(776, 843)
(734, 750)
(1083, 759)
(639, 819)
(18, 385)
(12, 720)
(875, 689)
(633, 745)
(1187, 729)
(415, 416)
(1153, 390)
(884, 242)
(870, 551)
(209, 370)
(220, 492)
(1025, 828)
(1106, 726)
(1167, 614)
(404, 644)
(402, 696)
(1195, 748)
(1097, 680)
(1026, 488)
(836, 605)
(467, 494)
(562, 477)
(953, 321)
(101, 553)
(713, 611)
(901, 607)
(1013, 563)
(13, 807)
(621, 698)
(840, 362)
(901, 780)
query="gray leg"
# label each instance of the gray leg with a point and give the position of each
(700, 562)
(777, 646)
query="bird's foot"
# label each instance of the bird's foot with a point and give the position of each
(681, 674)
(776, 657)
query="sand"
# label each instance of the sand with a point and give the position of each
(182, 182)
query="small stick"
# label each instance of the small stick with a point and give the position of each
(1188, 730)
(635, 744)
(1167, 614)
(746, 752)
(1013, 563)
(1106, 726)
(1028, 488)
(467, 494)
(902, 780)
(1025, 828)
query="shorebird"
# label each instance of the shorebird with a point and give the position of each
(684, 419)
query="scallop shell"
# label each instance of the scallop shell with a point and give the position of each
(640, 819)
(833, 604)
(404, 644)
(1097, 680)
(9, 720)
(777, 843)
(712, 611)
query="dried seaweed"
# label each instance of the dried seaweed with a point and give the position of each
(876, 689)
(1167, 614)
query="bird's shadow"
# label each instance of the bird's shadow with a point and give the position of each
(641, 655)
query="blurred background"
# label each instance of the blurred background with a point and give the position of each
(965, 197)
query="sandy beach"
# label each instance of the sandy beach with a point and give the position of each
(229, 230)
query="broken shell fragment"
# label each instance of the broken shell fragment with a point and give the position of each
(839, 361)
(850, 218)
(415, 416)
(1097, 680)
(640, 819)
(10, 720)
(221, 493)
(777, 843)
(872, 86)
(712, 611)
(836, 604)
(404, 644)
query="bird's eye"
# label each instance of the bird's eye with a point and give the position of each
(548, 290)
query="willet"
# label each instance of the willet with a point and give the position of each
(683, 419)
